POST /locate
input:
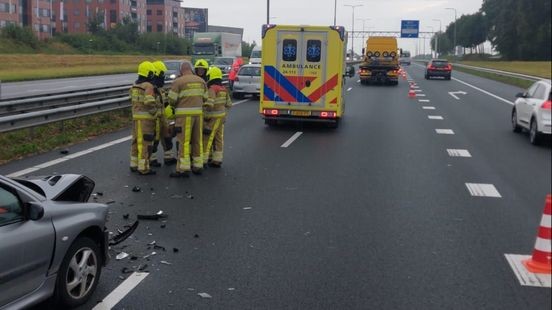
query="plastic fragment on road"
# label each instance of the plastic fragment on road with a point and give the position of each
(122, 255)
(126, 216)
(152, 217)
(164, 262)
(123, 235)
(136, 189)
(247, 208)
(64, 151)
(175, 196)
(205, 295)
(175, 250)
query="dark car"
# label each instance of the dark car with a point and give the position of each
(173, 69)
(224, 63)
(438, 67)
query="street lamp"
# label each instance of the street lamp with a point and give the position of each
(353, 6)
(267, 12)
(90, 46)
(437, 37)
(455, 20)
(432, 31)
(335, 12)
(363, 28)
(157, 46)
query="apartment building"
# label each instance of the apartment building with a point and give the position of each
(165, 16)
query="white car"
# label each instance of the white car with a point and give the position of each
(248, 81)
(532, 111)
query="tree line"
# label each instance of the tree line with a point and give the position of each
(517, 29)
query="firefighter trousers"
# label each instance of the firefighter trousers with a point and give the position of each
(213, 142)
(189, 129)
(163, 135)
(143, 134)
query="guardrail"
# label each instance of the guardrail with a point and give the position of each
(40, 110)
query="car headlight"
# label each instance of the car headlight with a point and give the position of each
(377, 54)
(393, 54)
(172, 76)
(385, 54)
(369, 54)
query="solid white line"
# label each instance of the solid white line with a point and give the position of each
(444, 131)
(483, 190)
(358, 81)
(68, 157)
(293, 138)
(423, 100)
(121, 291)
(428, 108)
(484, 91)
(238, 102)
(349, 89)
(435, 117)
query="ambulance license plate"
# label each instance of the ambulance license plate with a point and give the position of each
(300, 113)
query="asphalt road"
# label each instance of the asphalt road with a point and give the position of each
(372, 215)
(41, 87)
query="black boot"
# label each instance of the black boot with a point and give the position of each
(149, 172)
(185, 174)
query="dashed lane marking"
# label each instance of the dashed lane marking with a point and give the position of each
(444, 131)
(293, 138)
(428, 108)
(483, 190)
(358, 81)
(420, 95)
(458, 153)
(121, 291)
(239, 102)
(349, 89)
(525, 277)
(68, 157)
(423, 100)
(435, 117)
(417, 90)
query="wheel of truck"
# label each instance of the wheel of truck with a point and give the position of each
(334, 125)
(427, 77)
(271, 122)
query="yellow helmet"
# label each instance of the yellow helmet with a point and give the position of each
(146, 69)
(201, 63)
(214, 73)
(159, 67)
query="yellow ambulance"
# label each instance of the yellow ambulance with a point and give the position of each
(302, 73)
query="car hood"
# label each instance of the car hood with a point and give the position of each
(65, 187)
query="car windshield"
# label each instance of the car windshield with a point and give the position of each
(172, 65)
(256, 54)
(439, 63)
(203, 49)
(223, 61)
(250, 71)
(405, 54)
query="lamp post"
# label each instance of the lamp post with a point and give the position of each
(335, 12)
(363, 28)
(437, 37)
(353, 6)
(432, 31)
(157, 46)
(455, 20)
(267, 12)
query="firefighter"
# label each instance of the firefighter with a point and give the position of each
(215, 116)
(201, 66)
(144, 112)
(236, 65)
(162, 132)
(188, 94)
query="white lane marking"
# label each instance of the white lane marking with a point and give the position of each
(349, 89)
(444, 131)
(423, 100)
(420, 95)
(484, 91)
(417, 90)
(358, 81)
(415, 87)
(454, 93)
(458, 153)
(483, 190)
(435, 117)
(121, 291)
(238, 102)
(428, 108)
(525, 277)
(66, 158)
(293, 138)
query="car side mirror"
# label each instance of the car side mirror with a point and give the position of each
(35, 211)
(521, 95)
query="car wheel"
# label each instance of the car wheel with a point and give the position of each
(334, 125)
(515, 125)
(426, 76)
(447, 78)
(79, 273)
(534, 135)
(237, 95)
(271, 122)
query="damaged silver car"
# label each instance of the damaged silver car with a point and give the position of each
(53, 242)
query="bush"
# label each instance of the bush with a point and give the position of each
(24, 35)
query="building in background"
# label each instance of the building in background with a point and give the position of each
(195, 20)
(165, 16)
(10, 12)
(213, 28)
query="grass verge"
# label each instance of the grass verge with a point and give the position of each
(45, 66)
(500, 78)
(534, 68)
(33, 141)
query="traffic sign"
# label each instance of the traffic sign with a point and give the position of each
(410, 28)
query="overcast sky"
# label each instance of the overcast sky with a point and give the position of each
(384, 15)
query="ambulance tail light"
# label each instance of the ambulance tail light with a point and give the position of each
(272, 112)
(325, 114)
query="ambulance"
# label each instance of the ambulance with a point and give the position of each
(302, 73)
